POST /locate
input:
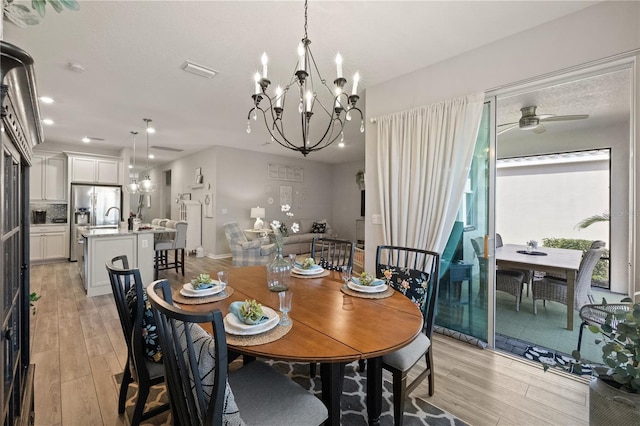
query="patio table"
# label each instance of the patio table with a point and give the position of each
(563, 261)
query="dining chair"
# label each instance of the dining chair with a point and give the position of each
(202, 394)
(331, 253)
(599, 313)
(415, 273)
(177, 243)
(507, 280)
(554, 288)
(125, 283)
(245, 252)
(528, 274)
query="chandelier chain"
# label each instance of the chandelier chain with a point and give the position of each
(306, 6)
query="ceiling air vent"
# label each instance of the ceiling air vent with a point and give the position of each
(166, 148)
(198, 69)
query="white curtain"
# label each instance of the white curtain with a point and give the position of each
(424, 156)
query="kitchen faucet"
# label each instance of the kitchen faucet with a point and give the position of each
(109, 209)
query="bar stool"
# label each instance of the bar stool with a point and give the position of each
(177, 244)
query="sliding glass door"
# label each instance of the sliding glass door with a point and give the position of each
(464, 300)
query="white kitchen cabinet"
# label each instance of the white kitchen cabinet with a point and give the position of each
(49, 242)
(48, 177)
(95, 170)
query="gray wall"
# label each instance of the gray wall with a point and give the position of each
(576, 39)
(237, 180)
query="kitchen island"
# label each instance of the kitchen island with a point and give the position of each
(100, 245)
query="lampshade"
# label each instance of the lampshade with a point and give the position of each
(257, 212)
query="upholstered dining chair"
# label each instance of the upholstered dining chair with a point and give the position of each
(177, 243)
(414, 273)
(245, 252)
(331, 253)
(203, 394)
(125, 283)
(507, 280)
(554, 288)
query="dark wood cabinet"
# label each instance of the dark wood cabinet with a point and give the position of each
(20, 132)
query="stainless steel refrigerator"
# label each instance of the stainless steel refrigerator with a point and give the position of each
(92, 205)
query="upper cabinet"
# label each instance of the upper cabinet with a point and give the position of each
(88, 169)
(48, 177)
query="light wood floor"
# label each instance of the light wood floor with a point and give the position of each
(77, 346)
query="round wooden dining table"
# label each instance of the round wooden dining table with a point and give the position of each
(329, 327)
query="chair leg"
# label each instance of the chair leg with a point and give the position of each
(182, 260)
(535, 307)
(362, 365)
(399, 395)
(584, 323)
(312, 369)
(124, 387)
(429, 362)
(156, 265)
(141, 399)
(175, 260)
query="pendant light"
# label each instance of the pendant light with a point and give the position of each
(146, 185)
(133, 187)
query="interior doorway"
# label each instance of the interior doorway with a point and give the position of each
(546, 136)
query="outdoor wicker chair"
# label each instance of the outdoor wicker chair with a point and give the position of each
(551, 288)
(596, 314)
(508, 281)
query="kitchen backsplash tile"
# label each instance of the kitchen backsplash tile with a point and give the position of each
(54, 211)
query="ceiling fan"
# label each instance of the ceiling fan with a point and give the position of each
(531, 121)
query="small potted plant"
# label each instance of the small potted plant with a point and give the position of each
(614, 395)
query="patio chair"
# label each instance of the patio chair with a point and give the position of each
(138, 368)
(596, 314)
(552, 288)
(201, 393)
(245, 252)
(420, 269)
(528, 274)
(508, 281)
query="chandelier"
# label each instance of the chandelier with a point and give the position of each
(133, 187)
(336, 109)
(146, 185)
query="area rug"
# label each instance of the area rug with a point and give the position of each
(418, 412)
(554, 359)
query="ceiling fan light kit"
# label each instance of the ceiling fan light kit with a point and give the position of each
(337, 111)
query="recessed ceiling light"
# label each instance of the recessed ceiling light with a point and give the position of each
(341, 144)
(199, 70)
(131, 166)
(86, 140)
(48, 121)
(46, 100)
(152, 156)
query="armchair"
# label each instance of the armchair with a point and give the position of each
(245, 252)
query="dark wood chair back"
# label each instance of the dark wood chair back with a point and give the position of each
(332, 253)
(414, 266)
(188, 401)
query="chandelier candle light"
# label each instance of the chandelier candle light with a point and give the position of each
(337, 112)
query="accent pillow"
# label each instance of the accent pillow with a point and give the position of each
(410, 282)
(152, 349)
(204, 349)
(318, 228)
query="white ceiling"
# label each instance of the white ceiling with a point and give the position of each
(132, 52)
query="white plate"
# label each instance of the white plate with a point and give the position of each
(367, 288)
(307, 271)
(233, 325)
(187, 290)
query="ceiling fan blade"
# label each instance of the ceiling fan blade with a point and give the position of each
(566, 117)
(539, 129)
(513, 126)
(507, 124)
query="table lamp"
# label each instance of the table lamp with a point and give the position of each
(257, 213)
